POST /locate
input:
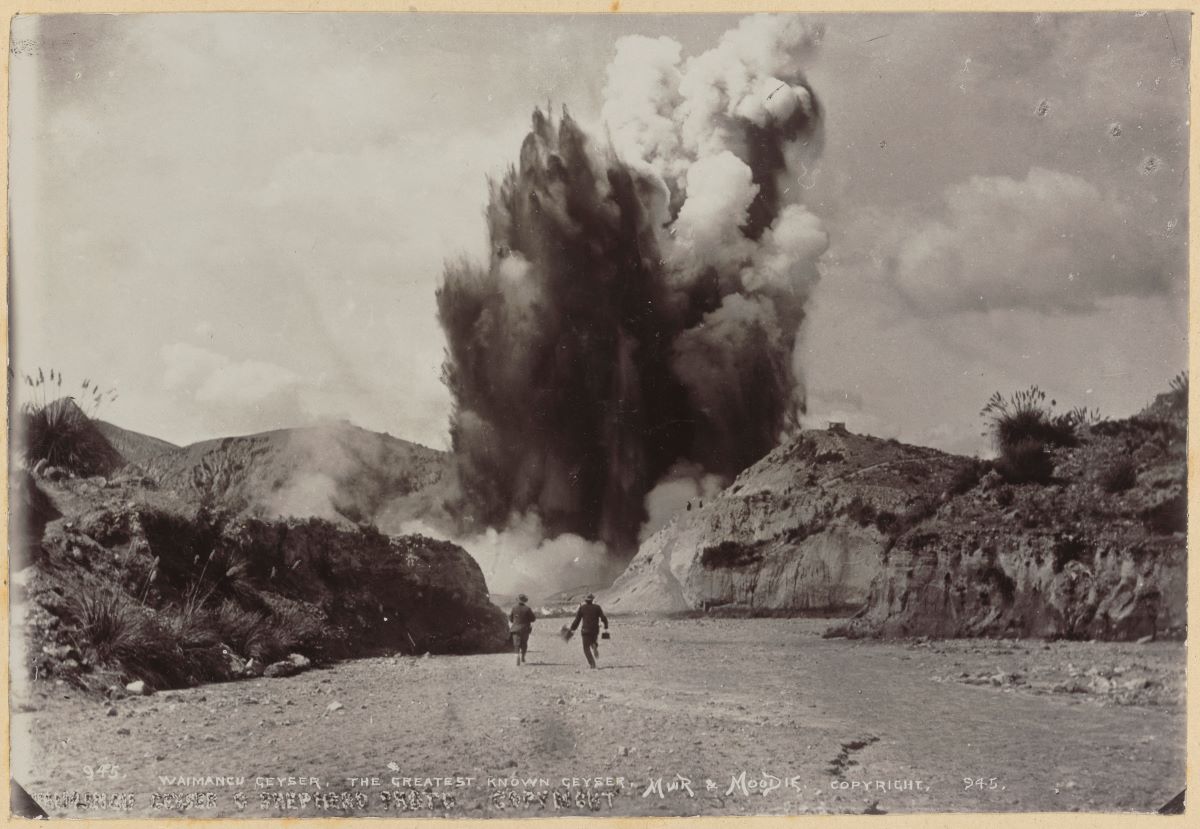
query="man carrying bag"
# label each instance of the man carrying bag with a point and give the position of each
(590, 615)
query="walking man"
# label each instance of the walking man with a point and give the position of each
(590, 615)
(521, 624)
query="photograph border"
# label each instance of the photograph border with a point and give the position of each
(12, 8)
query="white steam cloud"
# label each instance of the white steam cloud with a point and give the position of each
(521, 559)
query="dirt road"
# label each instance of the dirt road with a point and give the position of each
(823, 725)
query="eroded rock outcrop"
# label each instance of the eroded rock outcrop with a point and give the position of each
(803, 529)
(1098, 552)
(928, 544)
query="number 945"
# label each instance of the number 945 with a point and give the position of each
(102, 771)
(980, 783)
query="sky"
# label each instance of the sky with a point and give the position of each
(239, 221)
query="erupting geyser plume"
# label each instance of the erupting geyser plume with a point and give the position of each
(640, 308)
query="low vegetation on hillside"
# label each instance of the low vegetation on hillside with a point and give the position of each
(116, 582)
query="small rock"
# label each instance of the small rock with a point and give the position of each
(299, 660)
(1145, 639)
(426, 655)
(623, 751)
(111, 711)
(139, 688)
(334, 706)
(123, 732)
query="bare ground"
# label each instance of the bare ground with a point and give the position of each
(830, 725)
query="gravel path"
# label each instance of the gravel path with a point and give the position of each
(827, 725)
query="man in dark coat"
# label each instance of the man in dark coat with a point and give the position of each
(521, 624)
(590, 615)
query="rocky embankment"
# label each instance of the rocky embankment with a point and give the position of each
(115, 580)
(925, 543)
(1099, 551)
(801, 530)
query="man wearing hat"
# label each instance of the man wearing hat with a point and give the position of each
(590, 615)
(521, 619)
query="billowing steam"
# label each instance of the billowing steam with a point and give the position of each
(521, 558)
(643, 297)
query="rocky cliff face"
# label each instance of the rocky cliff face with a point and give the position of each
(1098, 552)
(803, 529)
(924, 543)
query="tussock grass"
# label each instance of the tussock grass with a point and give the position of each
(118, 634)
(1024, 427)
(55, 428)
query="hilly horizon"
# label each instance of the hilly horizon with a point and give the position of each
(333, 470)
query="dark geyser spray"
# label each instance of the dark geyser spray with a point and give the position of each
(637, 318)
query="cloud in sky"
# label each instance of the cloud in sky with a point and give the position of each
(1051, 242)
(296, 181)
(233, 395)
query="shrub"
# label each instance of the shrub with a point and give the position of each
(61, 435)
(1025, 416)
(248, 632)
(919, 541)
(1066, 550)
(299, 628)
(121, 635)
(967, 477)
(1166, 517)
(1083, 416)
(1179, 391)
(192, 624)
(885, 521)
(860, 512)
(108, 622)
(996, 578)
(1119, 476)
(58, 429)
(1025, 462)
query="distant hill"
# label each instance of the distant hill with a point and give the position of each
(134, 447)
(336, 471)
